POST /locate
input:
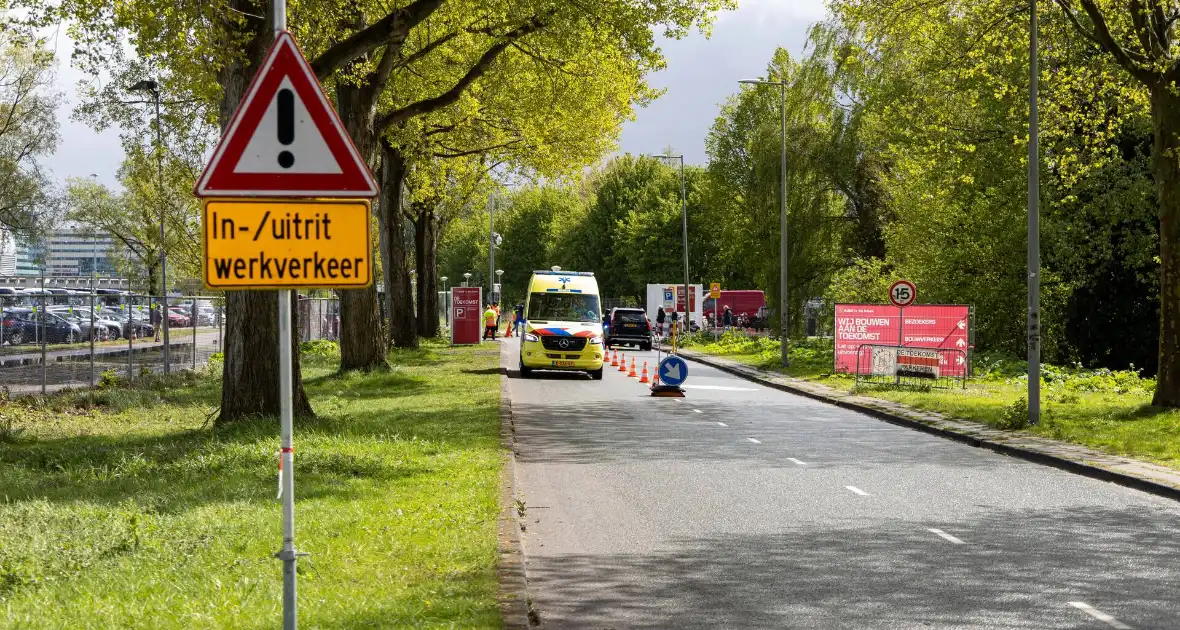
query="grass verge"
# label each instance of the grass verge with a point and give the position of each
(1103, 409)
(123, 508)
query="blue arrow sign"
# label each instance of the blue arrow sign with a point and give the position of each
(673, 371)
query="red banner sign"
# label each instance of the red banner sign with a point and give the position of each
(925, 326)
(466, 312)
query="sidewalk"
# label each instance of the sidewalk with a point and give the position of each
(1132, 473)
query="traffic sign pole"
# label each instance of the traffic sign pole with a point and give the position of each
(287, 555)
(286, 198)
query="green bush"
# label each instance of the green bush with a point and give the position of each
(1015, 416)
(320, 349)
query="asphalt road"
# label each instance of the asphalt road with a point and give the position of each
(745, 507)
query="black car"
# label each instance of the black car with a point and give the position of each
(22, 325)
(628, 327)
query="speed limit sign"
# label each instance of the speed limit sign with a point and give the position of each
(902, 293)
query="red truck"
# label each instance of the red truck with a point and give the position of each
(748, 302)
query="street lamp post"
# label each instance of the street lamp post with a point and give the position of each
(148, 85)
(784, 320)
(466, 278)
(684, 226)
(499, 281)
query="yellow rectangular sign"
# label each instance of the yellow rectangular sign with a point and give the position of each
(285, 243)
(715, 290)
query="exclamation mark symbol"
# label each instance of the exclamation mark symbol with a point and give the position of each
(286, 104)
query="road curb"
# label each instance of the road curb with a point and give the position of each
(513, 588)
(1022, 452)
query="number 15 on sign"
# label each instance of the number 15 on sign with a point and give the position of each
(902, 293)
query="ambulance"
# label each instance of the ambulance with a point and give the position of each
(563, 324)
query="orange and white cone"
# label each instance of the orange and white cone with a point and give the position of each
(643, 378)
(632, 373)
(623, 364)
(614, 358)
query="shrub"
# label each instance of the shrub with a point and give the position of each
(1015, 416)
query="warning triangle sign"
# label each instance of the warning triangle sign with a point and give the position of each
(285, 140)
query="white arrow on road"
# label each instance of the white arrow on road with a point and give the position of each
(672, 372)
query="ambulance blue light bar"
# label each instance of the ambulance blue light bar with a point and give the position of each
(546, 272)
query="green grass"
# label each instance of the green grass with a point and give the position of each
(124, 508)
(1110, 411)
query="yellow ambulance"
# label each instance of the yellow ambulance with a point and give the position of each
(563, 324)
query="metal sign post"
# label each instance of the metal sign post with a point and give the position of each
(286, 201)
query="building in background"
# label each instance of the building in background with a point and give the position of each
(70, 251)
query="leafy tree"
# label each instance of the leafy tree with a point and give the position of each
(28, 132)
(132, 217)
(1141, 38)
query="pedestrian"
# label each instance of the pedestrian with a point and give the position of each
(489, 323)
(155, 319)
(727, 319)
(519, 320)
(661, 317)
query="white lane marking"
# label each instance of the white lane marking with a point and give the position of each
(1099, 615)
(679, 400)
(722, 424)
(856, 490)
(946, 536)
(753, 440)
(697, 411)
(792, 459)
(720, 388)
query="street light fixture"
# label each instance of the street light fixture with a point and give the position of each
(499, 286)
(684, 225)
(150, 86)
(784, 320)
(466, 278)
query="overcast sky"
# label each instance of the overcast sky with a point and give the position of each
(701, 73)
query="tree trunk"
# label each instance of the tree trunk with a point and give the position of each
(1165, 111)
(250, 384)
(426, 258)
(398, 298)
(362, 345)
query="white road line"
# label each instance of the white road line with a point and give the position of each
(946, 536)
(856, 490)
(720, 388)
(697, 411)
(753, 440)
(792, 459)
(722, 424)
(1099, 615)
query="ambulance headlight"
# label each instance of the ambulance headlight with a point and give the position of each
(596, 341)
(531, 337)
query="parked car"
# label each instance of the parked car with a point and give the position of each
(178, 318)
(82, 321)
(22, 325)
(113, 329)
(628, 327)
(131, 326)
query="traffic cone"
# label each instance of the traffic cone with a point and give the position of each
(632, 373)
(614, 358)
(643, 378)
(623, 364)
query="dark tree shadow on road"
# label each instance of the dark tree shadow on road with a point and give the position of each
(1019, 570)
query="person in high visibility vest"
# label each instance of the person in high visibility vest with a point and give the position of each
(489, 323)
